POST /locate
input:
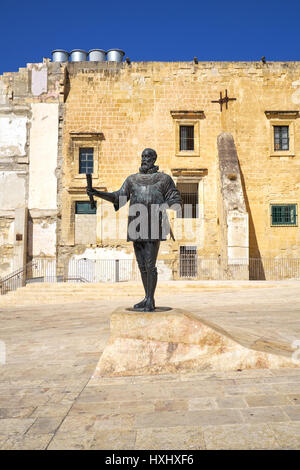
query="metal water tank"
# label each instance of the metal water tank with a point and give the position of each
(115, 55)
(60, 55)
(97, 55)
(78, 55)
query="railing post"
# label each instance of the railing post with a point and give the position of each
(117, 270)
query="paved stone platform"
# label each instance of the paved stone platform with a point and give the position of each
(47, 400)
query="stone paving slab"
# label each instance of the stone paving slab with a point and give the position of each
(48, 402)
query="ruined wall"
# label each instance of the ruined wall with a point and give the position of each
(233, 213)
(29, 102)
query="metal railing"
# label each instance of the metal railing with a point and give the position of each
(38, 270)
(187, 266)
(16, 279)
(80, 270)
(104, 270)
(273, 269)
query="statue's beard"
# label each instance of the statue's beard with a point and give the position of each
(148, 168)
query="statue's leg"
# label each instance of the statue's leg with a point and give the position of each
(150, 256)
(139, 254)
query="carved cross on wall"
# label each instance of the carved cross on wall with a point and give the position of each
(222, 100)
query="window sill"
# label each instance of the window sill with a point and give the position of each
(82, 176)
(187, 153)
(282, 153)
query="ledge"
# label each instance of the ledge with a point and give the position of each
(82, 189)
(189, 171)
(86, 134)
(15, 109)
(282, 114)
(187, 114)
(281, 154)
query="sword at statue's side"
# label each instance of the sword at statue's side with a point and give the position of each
(90, 187)
(172, 234)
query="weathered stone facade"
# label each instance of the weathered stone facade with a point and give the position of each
(29, 122)
(49, 111)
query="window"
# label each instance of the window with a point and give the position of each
(189, 195)
(281, 138)
(188, 261)
(186, 137)
(86, 160)
(187, 132)
(282, 133)
(284, 214)
(84, 207)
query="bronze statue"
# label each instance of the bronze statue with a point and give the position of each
(150, 193)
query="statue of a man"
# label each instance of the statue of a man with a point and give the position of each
(150, 193)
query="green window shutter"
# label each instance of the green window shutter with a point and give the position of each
(84, 207)
(284, 214)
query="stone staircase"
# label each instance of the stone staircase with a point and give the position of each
(60, 293)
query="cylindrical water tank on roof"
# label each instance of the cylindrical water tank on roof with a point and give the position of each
(78, 55)
(60, 55)
(115, 55)
(97, 55)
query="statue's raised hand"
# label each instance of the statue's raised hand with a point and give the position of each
(91, 191)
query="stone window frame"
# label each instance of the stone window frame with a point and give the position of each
(190, 175)
(187, 118)
(85, 140)
(75, 195)
(282, 118)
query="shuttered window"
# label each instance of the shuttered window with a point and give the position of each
(284, 214)
(84, 207)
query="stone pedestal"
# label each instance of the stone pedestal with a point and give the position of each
(174, 341)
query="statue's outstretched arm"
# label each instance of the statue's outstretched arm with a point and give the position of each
(110, 197)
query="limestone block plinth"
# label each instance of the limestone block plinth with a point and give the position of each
(173, 341)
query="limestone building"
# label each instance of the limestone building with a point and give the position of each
(227, 132)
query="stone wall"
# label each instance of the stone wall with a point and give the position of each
(120, 109)
(49, 110)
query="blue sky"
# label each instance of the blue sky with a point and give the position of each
(167, 30)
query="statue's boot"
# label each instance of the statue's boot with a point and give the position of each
(151, 285)
(144, 280)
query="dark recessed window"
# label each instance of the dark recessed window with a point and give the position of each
(281, 137)
(189, 196)
(84, 207)
(86, 160)
(186, 137)
(285, 214)
(188, 261)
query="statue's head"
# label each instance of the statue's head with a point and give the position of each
(149, 157)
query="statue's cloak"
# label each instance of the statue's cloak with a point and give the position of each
(150, 194)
